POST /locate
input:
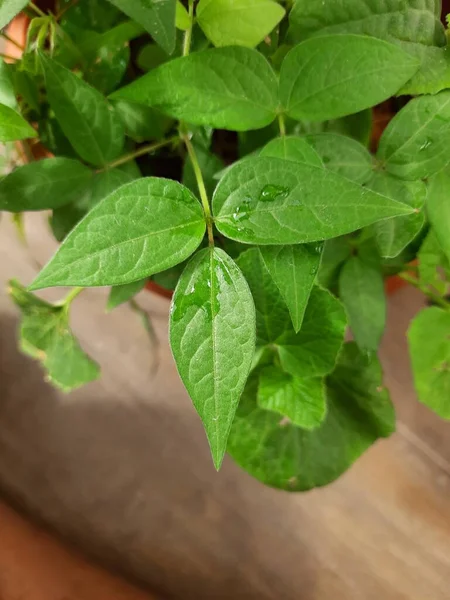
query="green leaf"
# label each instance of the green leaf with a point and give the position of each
(393, 235)
(243, 23)
(46, 336)
(90, 124)
(343, 155)
(438, 209)
(294, 459)
(344, 74)
(144, 227)
(227, 88)
(150, 57)
(302, 401)
(141, 122)
(209, 164)
(434, 267)
(404, 20)
(434, 73)
(361, 289)
(294, 270)
(7, 95)
(156, 16)
(44, 184)
(12, 126)
(27, 88)
(335, 253)
(122, 293)
(429, 348)
(415, 143)
(182, 18)
(292, 148)
(274, 201)
(212, 336)
(9, 9)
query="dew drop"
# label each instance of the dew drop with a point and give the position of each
(271, 192)
(426, 144)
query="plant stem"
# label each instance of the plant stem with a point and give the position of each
(65, 9)
(431, 295)
(37, 10)
(10, 39)
(188, 35)
(7, 57)
(140, 152)
(201, 187)
(74, 292)
(281, 124)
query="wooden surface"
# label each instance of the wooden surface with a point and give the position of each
(122, 468)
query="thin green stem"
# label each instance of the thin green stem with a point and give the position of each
(37, 10)
(282, 124)
(74, 292)
(201, 186)
(11, 41)
(65, 9)
(7, 57)
(140, 152)
(188, 34)
(431, 295)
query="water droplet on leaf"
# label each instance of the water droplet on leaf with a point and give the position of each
(271, 192)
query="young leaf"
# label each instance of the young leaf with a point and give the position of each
(429, 348)
(294, 459)
(293, 148)
(156, 16)
(12, 126)
(228, 88)
(343, 155)
(344, 74)
(90, 124)
(7, 95)
(212, 336)
(438, 209)
(122, 293)
(48, 183)
(415, 143)
(144, 227)
(293, 269)
(361, 289)
(9, 9)
(274, 201)
(46, 336)
(302, 401)
(240, 23)
(393, 235)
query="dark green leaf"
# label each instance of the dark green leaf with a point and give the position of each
(9, 9)
(429, 347)
(344, 74)
(243, 23)
(415, 143)
(46, 336)
(228, 88)
(361, 289)
(292, 148)
(156, 16)
(91, 125)
(83, 15)
(274, 201)
(44, 184)
(438, 209)
(151, 56)
(122, 293)
(293, 269)
(26, 88)
(212, 336)
(302, 401)
(144, 227)
(335, 253)
(12, 126)
(141, 122)
(291, 458)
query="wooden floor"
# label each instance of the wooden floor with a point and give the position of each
(122, 469)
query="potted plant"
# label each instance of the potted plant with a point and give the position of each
(220, 149)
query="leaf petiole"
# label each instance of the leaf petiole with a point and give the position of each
(282, 124)
(188, 35)
(431, 295)
(74, 292)
(140, 152)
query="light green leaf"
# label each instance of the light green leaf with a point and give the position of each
(44, 184)
(46, 336)
(90, 124)
(438, 209)
(212, 336)
(393, 235)
(429, 348)
(293, 269)
(302, 401)
(156, 16)
(343, 155)
(434, 267)
(415, 143)
(7, 95)
(434, 73)
(274, 201)
(294, 148)
(12, 126)
(404, 20)
(122, 293)
(141, 122)
(294, 459)
(344, 74)
(182, 19)
(361, 289)
(9, 9)
(228, 88)
(144, 227)
(238, 22)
